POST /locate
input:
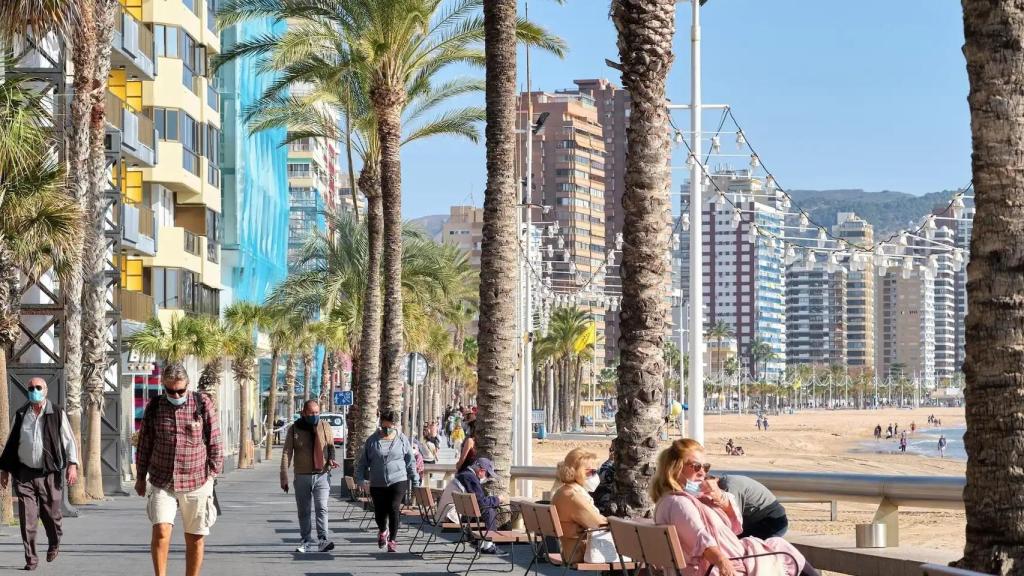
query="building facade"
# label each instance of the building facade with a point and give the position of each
(816, 315)
(905, 325)
(464, 229)
(860, 294)
(569, 177)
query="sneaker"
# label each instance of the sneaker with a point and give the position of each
(492, 549)
(392, 546)
(382, 539)
(325, 546)
(301, 548)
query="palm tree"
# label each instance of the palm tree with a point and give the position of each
(566, 346)
(40, 226)
(993, 34)
(215, 334)
(185, 337)
(720, 331)
(761, 352)
(645, 31)
(243, 319)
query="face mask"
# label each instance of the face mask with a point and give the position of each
(692, 487)
(36, 396)
(312, 420)
(178, 401)
(386, 430)
(591, 483)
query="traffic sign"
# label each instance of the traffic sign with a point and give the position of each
(343, 398)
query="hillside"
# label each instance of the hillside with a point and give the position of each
(432, 224)
(887, 211)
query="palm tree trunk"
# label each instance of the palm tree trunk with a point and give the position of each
(95, 289)
(289, 385)
(9, 330)
(577, 383)
(275, 356)
(307, 375)
(645, 31)
(496, 358)
(326, 388)
(994, 34)
(244, 371)
(388, 102)
(6, 505)
(84, 59)
(366, 389)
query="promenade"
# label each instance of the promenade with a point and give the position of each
(255, 536)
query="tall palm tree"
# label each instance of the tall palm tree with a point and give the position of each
(645, 31)
(242, 320)
(994, 33)
(185, 337)
(40, 226)
(216, 335)
(720, 331)
(76, 22)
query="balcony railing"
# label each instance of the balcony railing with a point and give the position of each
(147, 134)
(136, 306)
(191, 243)
(146, 221)
(112, 108)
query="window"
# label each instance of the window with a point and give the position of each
(131, 274)
(166, 39)
(193, 59)
(191, 5)
(191, 141)
(166, 121)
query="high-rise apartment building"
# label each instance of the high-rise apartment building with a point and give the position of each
(816, 314)
(905, 325)
(743, 271)
(464, 228)
(308, 192)
(613, 109)
(860, 293)
(961, 222)
(569, 176)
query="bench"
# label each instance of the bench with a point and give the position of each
(838, 554)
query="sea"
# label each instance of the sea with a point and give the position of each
(924, 442)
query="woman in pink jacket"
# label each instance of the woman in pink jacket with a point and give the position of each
(707, 520)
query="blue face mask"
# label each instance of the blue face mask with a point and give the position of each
(36, 396)
(692, 487)
(178, 401)
(312, 420)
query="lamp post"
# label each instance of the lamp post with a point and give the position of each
(696, 399)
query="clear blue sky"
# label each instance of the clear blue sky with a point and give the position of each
(869, 94)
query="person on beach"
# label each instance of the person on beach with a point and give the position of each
(758, 421)
(387, 465)
(708, 520)
(903, 442)
(896, 429)
(878, 432)
(913, 428)
(888, 432)
(942, 446)
(764, 423)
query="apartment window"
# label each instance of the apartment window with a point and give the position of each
(191, 141)
(166, 121)
(192, 5)
(299, 170)
(166, 39)
(193, 59)
(211, 15)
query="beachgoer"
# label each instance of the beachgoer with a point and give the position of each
(888, 432)
(758, 421)
(309, 448)
(576, 510)
(896, 429)
(765, 423)
(913, 428)
(763, 515)
(387, 466)
(942, 446)
(707, 520)
(467, 454)
(878, 432)
(903, 441)
(729, 446)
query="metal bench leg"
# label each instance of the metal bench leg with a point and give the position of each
(457, 550)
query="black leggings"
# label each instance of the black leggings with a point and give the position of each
(387, 503)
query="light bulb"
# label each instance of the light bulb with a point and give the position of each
(741, 140)
(881, 268)
(790, 255)
(618, 240)
(550, 251)
(686, 222)
(679, 137)
(691, 163)
(736, 219)
(755, 162)
(769, 183)
(809, 259)
(675, 242)
(803, 221)
(565, 256)
(716, 144)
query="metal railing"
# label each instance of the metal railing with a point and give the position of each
(113, 110)
(147, 133)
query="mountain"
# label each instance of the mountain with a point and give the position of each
(432, 224)
(887, 211)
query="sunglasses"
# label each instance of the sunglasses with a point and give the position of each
(697, 466)
(176, 393)
(592, 472)
(39, 388)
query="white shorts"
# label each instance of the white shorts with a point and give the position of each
(198, 512)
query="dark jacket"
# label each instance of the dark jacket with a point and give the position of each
(605, 492)
(54, 458)
(469, 481)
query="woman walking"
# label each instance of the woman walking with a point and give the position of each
(388, 466)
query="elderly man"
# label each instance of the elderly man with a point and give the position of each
(39, 453)
(309, 448)
(180, 452)
(763, 516)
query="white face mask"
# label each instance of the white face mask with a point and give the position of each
(591, 483)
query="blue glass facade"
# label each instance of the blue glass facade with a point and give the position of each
(255, 184)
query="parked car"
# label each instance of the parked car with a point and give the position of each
(337, 422)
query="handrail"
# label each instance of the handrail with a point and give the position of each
(917, 491)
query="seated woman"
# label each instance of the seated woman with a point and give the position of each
(576, 510)
(708, 520)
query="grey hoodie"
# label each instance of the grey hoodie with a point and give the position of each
(385, 462)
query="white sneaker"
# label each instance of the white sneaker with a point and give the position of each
(325, 546)
(301, 548)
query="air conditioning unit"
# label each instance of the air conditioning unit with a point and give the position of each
(112, 142)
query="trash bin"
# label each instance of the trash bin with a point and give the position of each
(870, 535)
(542, 433)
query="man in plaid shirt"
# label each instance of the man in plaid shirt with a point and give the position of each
(180, 452)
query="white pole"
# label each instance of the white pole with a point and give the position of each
(526, 410)
(696, 401)
(682, 355)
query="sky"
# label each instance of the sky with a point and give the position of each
(869, 94)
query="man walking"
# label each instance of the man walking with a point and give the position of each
(180, 452)
(38, 451)
(309, 448)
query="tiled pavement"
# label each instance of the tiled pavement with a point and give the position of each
(255, 537)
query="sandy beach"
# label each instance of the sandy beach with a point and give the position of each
(826, 441)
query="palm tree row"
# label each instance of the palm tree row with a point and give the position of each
(559, 360)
